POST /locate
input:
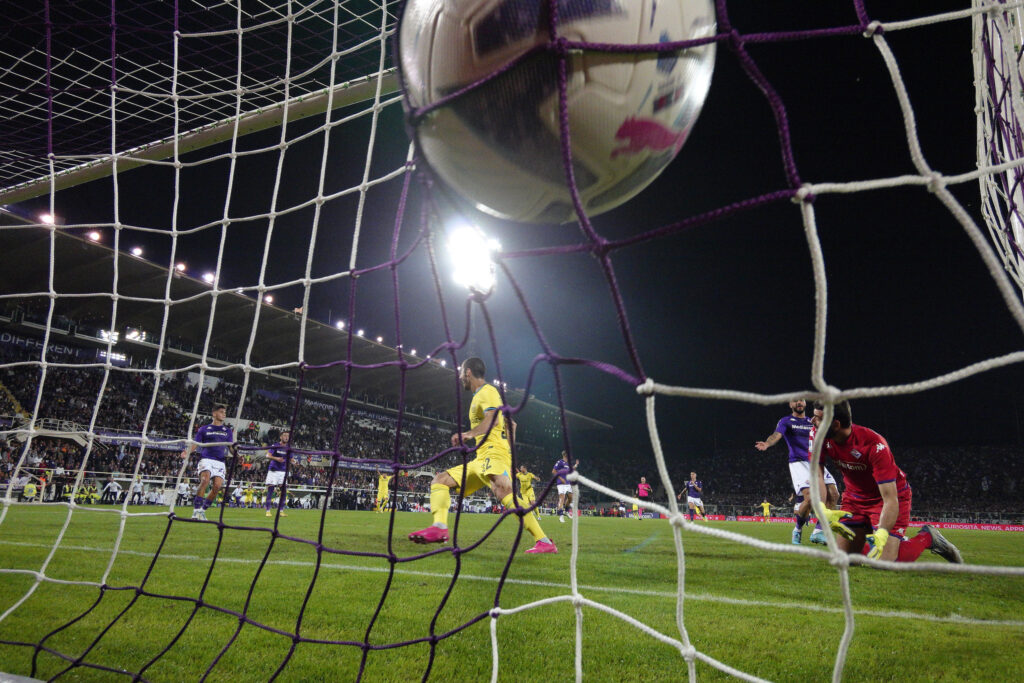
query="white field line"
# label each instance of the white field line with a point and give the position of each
(703, 597)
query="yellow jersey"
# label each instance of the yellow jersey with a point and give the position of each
(484, 401)
(766, 507)
(526, 481)
(382, 483)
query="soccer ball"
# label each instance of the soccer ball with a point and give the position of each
(498, 145)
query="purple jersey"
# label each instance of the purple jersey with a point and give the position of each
(796, 431)
(281, 451)
(211, 433)
(692, 488)
(562, 467)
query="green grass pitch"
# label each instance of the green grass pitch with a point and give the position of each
(773, 615)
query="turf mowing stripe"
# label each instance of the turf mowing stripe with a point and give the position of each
(704, 597)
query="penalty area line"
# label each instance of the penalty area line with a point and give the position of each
(701, 597)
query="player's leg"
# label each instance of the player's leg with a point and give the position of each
(531, 501)
(689, 504)
(561, 504)
(440, 501)
(268, 502)
(218, 483)
(799, 473)
(501, 486)
(197, 503)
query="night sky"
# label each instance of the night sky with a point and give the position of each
(726, 304)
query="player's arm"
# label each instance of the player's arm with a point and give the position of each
(187, 451)
(490, 416)
(772, 439)
(275, 458)
(886, 520)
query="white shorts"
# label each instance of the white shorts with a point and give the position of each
(800, 472)
(696, 502)
(564, 488)
(275, 477)
(214, 467)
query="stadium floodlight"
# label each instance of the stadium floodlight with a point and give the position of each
(340, 324)
(111, 336)
(444, 363)
(180, 267)
(269, 298)
(360, 333)
(208, 278)
(413, 352)
(94, 235)
(470, 250)
(380, 340)
(47, 218)
(136, 251)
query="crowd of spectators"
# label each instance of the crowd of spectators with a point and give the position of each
(954, 479)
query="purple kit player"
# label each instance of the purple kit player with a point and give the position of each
(211, 458)
(561, 470)
(694, 489)
(279, 455)
(795, 428)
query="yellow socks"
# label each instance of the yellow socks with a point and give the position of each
(440, 501)
(529, 520)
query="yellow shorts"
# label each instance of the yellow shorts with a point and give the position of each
(481, 469)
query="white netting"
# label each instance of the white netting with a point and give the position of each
(308, 50)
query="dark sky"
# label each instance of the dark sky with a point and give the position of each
(727, 304)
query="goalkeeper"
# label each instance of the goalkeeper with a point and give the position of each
(876, 502)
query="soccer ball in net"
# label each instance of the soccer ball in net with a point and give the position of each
(498, 145)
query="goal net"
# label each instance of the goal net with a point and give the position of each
(218, 203)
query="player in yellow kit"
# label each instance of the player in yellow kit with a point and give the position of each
(525, 478)
(383, 492)
(766, 510)
(491, 466)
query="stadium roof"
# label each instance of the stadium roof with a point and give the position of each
(83, 272)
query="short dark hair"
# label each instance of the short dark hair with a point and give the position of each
(841, 412)
(219, 406)
(476, 367)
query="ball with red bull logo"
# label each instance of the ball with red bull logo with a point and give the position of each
(498, 144)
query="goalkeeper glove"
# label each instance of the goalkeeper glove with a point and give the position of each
(835, 520)
(877, 541)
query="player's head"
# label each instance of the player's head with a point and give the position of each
(472, 367)
(564, 455)
(643, 480)
(284, 437)
(798, 407)
(522, 468)
(693, 475)
(219, 412)
(842, 417)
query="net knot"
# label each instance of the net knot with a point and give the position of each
(647, 388)
(935, 182)
(873, 28)
(840, 561)
(577, 600)
(678, 520)
(804, 194)
(495, 612)
(689, 653)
